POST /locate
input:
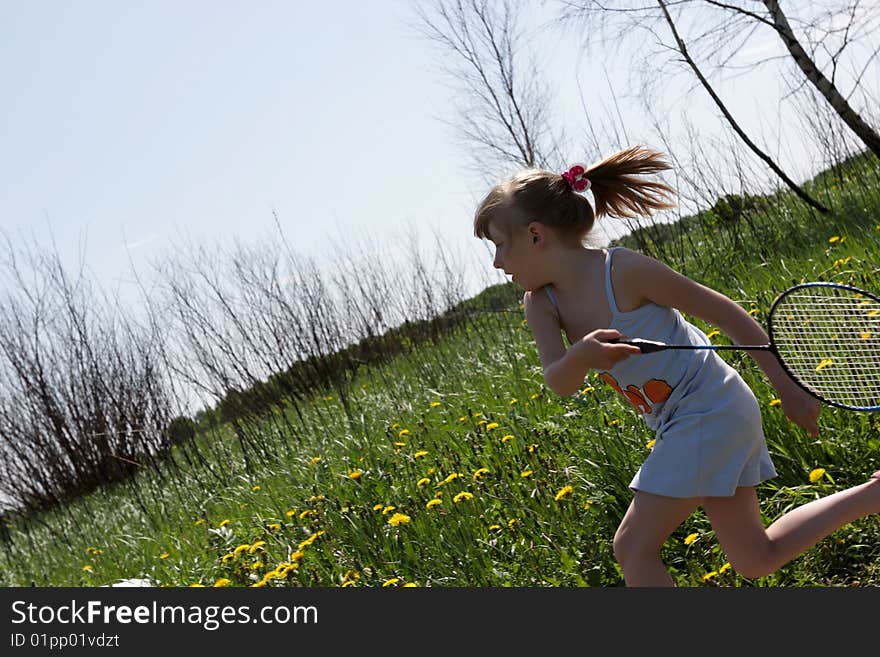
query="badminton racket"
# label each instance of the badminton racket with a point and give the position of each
(826, 336)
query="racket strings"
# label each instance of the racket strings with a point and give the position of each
(829, 338)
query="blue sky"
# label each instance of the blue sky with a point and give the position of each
(129, 128)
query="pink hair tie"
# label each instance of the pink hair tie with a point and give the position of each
(575, 179)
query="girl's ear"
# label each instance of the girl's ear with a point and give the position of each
(536, 230)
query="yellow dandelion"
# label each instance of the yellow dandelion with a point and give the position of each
(511, 522)
(226, 558)
(833, 239)
(223, 523)
(463, 418)
(650, 443)
(328, 398)
(410, 585)
(513, 401)
(348, 582)
(398, 519)
(222, 582)
(724, 568)
(435, 404)
(400, 444)
(309, 540)
(532, 447)
(164, 555)
(874, 313)
(290, 513)
(480, 472)
(273, 526)
(316, 459)
(424, 481)
(587, 390)
(388, 509)
(420, 454)
(451, 477)
(493, 528)
(200, 521)
(816, 475)
(614, 422)
(711, 334)
(709, 576)
(775, 402)
(865, 335)
(492, 425)
(535, 395)
(564, 492)
(256, 546)
(525, 473)
(256, 488)
(196, 585)
(88, 569)
(826, 362)
(753, 312)
(432, 503)
(402, 433)
(390, 582)
(507, 438)
(690, 538)
(355, 474)
(378, 506)
(305, 514)
(464, 495)
(395, 426)
(241, 548)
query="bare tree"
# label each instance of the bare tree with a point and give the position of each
(726, 28)
(504, 110)
(814, 74)
(83, 400)
(769, 161)
(639, 18)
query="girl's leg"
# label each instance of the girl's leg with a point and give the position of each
(644, 529)
(754, 551)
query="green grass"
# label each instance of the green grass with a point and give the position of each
(531, 486)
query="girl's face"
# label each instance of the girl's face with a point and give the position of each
(515, 254)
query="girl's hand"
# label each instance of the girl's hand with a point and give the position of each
(600, 354)
(801, 408)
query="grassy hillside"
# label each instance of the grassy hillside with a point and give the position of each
(453, 465)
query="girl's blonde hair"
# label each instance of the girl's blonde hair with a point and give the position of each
(547, 197)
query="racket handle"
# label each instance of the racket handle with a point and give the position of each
(647, 346)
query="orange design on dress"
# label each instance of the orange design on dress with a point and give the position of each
(656, 390)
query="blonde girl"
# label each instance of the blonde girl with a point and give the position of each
(710, 449)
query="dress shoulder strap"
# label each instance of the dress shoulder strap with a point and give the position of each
(609, 291)
(552, 296)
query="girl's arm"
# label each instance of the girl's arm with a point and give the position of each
(565, 370)
(660, 284)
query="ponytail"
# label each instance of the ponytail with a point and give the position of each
(619, 193)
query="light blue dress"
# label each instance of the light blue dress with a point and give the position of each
(707, 422)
